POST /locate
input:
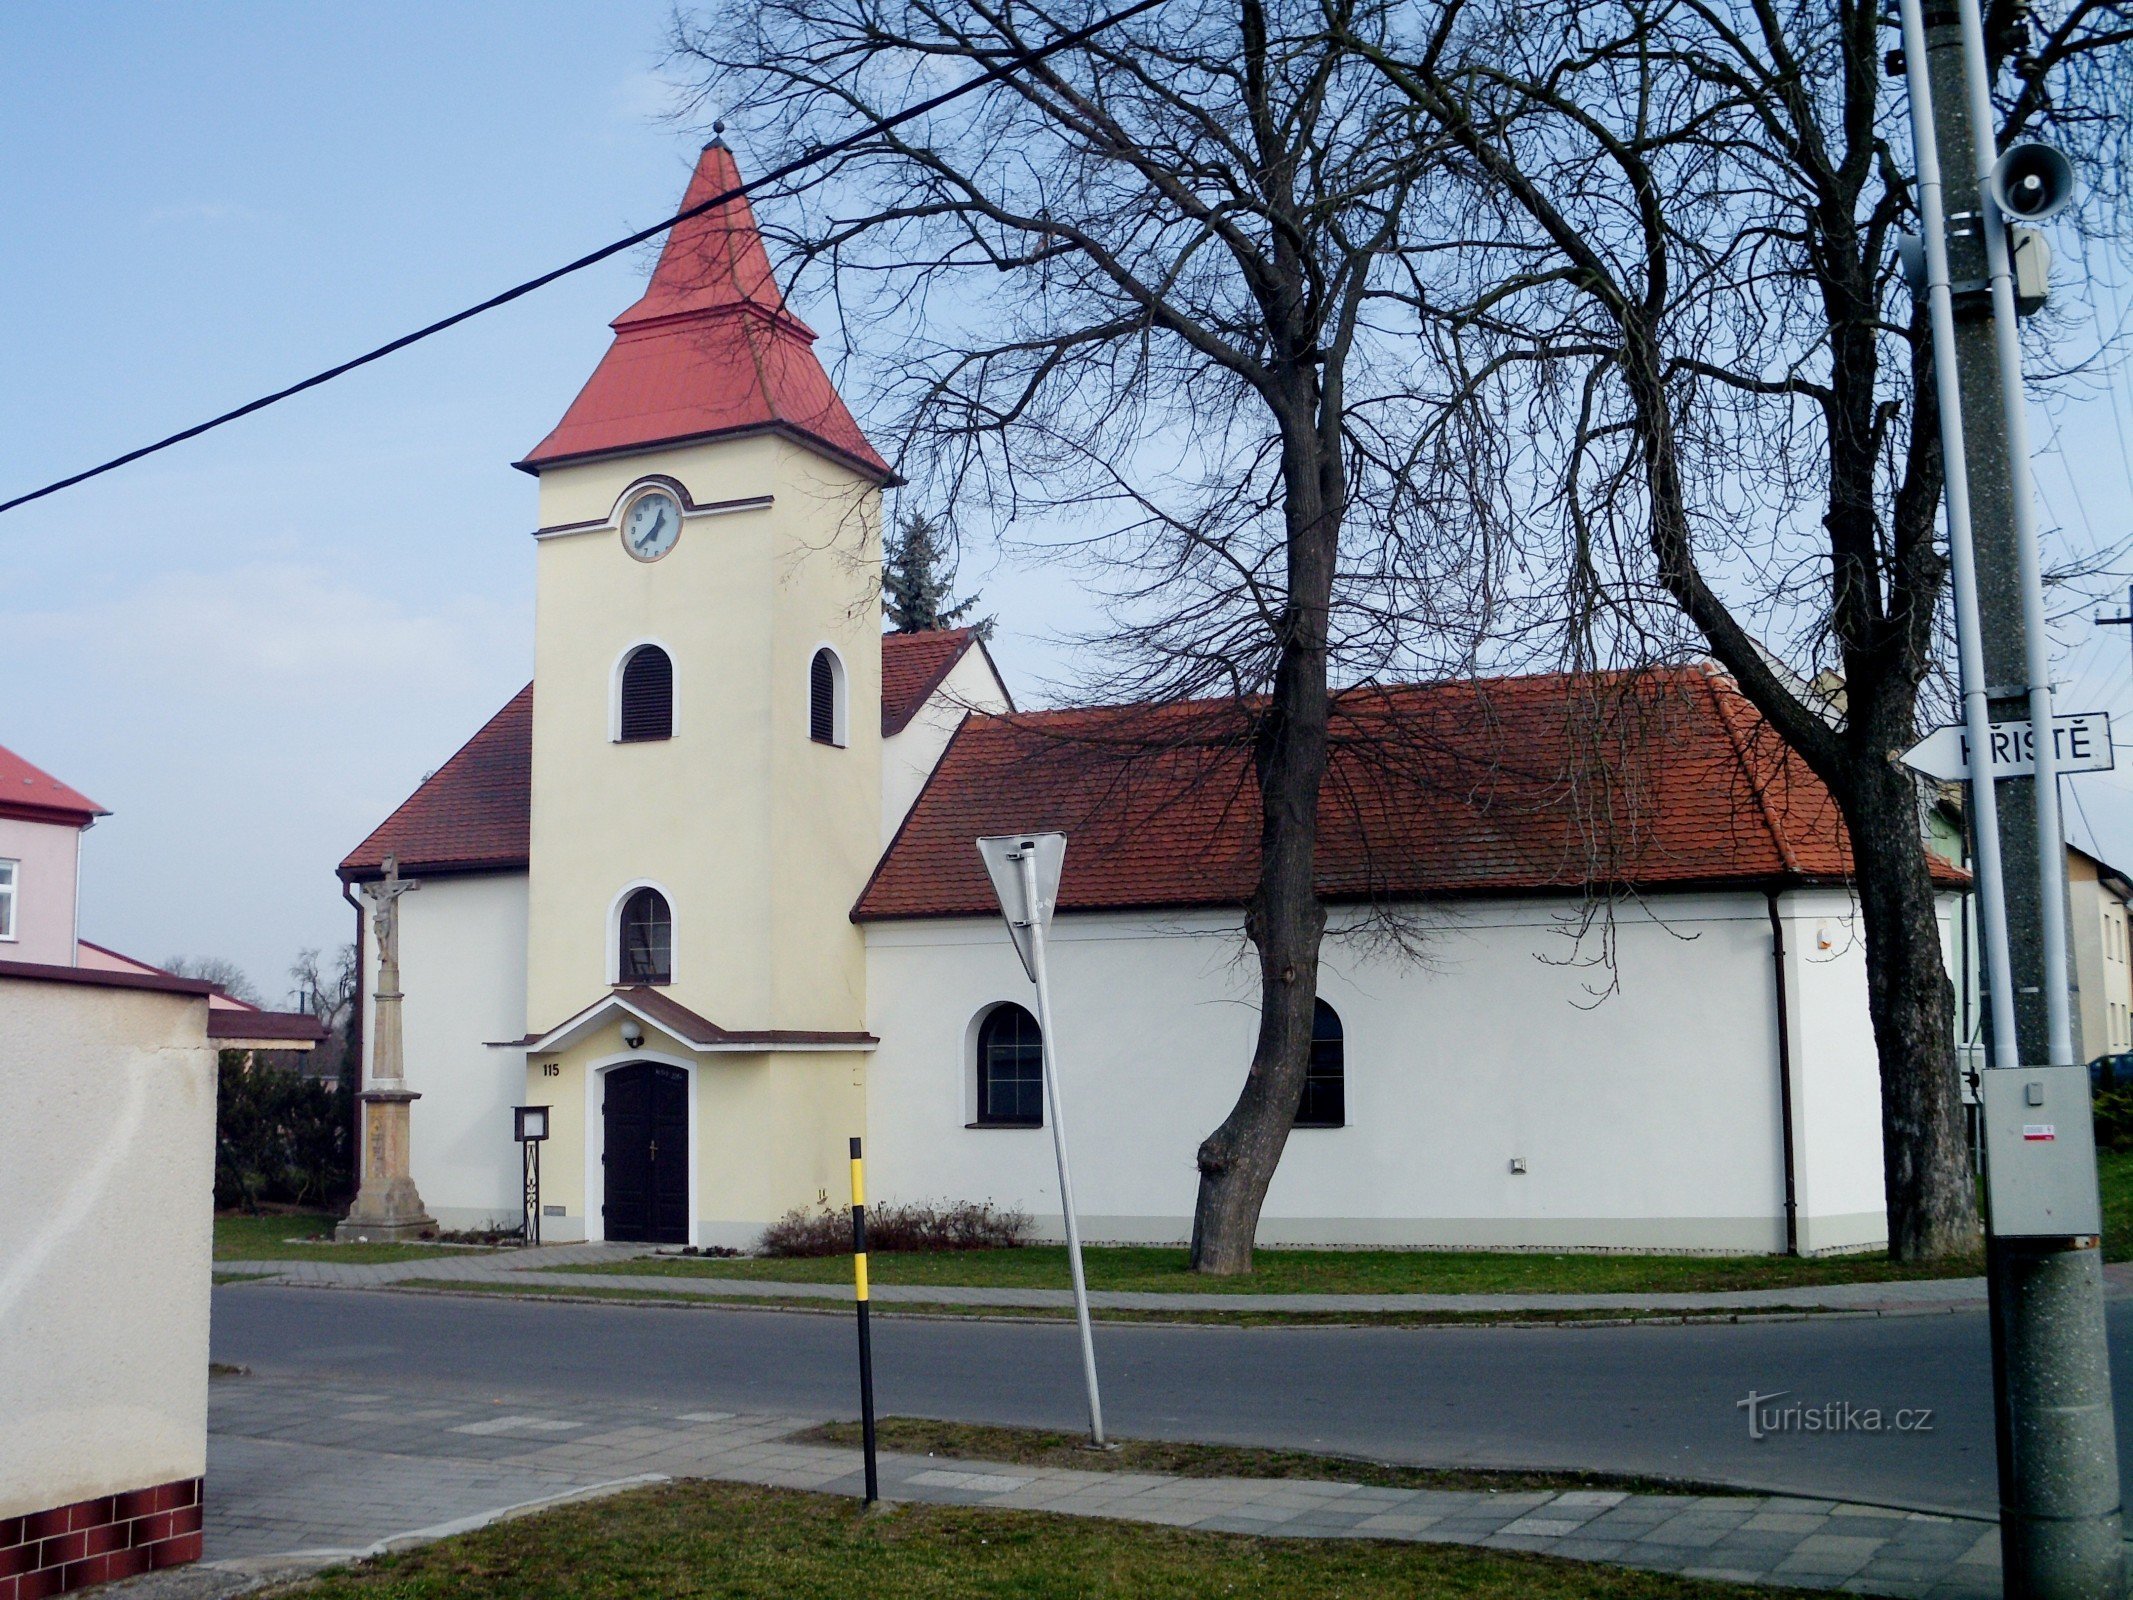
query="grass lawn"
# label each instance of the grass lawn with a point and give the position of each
(1039, 1447)
(1368, 1271)
(267, 1238)
(1305, 1271)
(2114, 1176)
(715, 1539)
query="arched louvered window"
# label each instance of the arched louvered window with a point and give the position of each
(1324, 1101)
(647, 695)
(647, 943)
(825, 698)
(1010, 1070)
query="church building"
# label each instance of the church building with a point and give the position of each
(708, 890)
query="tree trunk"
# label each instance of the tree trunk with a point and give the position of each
(1286, 918)
(1925, 1156)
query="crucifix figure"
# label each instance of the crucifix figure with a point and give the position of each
(384, 898)
(387, 1205)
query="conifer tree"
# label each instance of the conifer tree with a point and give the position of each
(914, 586)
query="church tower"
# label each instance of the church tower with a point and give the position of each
(706, 759)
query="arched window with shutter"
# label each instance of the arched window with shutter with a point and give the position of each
(825, 698)
(645, 708)
(1324, 1101)
(646, 943)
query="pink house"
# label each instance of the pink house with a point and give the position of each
(41, 825)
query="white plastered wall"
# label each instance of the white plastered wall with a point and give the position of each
(49, 863)
(909, 757)
(107, 1172)
(1836, 1076)
(1647, 1120)
(463, 971)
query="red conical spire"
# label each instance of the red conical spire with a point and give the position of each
(708, 349)
(712, 261)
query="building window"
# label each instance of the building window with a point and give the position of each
(825, 698)
(647, 939)
(8, 872)
(1010, 1070)
(647, 695)
(1324, 1101)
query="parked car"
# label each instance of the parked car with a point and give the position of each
(2112, 1072)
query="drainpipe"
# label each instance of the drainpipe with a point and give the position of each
(355, 1032)
(1784, 1066)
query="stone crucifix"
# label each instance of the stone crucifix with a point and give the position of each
(387, 1205)
(387, 1063)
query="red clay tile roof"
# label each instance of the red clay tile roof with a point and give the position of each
(1511, 785)
(912, 667)
(709, 349)
(33, 795)
(691, 1027)
(473, 812)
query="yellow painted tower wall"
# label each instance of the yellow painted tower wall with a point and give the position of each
(761, 837)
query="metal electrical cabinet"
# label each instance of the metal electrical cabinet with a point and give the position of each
(2040, 1152)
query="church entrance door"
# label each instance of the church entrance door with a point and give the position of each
(645, 1117)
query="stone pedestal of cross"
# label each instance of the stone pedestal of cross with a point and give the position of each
(387, 1206)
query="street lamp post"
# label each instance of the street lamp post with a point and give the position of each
(529, 1126)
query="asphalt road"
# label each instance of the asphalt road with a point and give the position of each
(1663, 1400)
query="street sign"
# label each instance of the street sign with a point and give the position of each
(2081, 742)
(1003, 860)
(1024, 868)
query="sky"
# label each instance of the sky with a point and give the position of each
(252, 647)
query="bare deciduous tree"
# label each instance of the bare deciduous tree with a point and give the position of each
(1152, 282)
(1674, 274)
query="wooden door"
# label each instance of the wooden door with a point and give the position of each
(646, 1119)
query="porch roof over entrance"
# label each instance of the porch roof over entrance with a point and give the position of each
(698, 1033)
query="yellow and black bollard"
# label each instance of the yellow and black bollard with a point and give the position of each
(866, 1343)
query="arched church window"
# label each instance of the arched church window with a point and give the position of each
(1324, 1101)
(647, 707)
(1010, 1070)
(825, 698)
(647, 944)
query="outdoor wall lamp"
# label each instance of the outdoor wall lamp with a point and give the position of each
(632, 1036)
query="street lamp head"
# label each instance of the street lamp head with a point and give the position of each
(529, 1124)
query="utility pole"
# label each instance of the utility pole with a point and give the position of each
(2060, 1514)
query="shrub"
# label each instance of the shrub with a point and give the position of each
(957, 1225)
(279, 1136)
(2114, 1119)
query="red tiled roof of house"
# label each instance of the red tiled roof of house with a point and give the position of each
(912, 667)
(709, 349)
(473, 812)
(31, 794)
(1511, 785)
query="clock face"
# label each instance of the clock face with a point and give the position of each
(651, 525)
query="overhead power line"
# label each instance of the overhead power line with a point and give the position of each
(994, 74)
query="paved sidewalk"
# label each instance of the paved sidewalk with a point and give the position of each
(332, 1471)
(534, 1269)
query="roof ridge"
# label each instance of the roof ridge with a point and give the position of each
(917, 702)
(1778, 840)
